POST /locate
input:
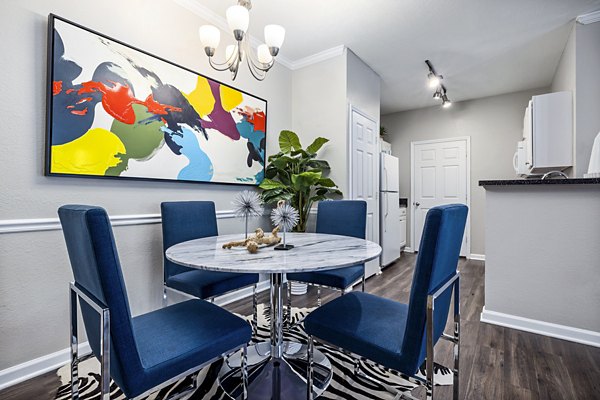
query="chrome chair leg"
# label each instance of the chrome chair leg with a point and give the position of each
(429, 361)
(309, 372)
(363, 282)
(254, 310)
(318, 296)
(164, 297)
(105, 355)
(74, 345)
(245, 373)
(455, 380)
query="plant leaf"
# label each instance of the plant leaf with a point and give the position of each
(318, 164)
(269, 184)
(326, 182)
(305, 180)
(288, 140)
(316, 145)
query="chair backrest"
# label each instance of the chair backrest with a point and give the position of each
(97, 270)
(437, 262)
(342, 217)
(183, 221)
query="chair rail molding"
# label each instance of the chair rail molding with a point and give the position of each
(52, 224)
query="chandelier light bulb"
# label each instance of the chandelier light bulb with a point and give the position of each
(210, 36)
(274, 36)
(263, 54)
(238, 20)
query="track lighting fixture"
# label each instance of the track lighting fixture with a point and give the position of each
(435, 82)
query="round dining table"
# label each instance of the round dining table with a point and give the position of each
(277, 368)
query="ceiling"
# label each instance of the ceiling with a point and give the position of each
(481, 47)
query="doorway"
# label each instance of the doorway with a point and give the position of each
(440, 174)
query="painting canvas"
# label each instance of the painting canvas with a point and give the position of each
(116, 111)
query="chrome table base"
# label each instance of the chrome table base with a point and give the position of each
(277, 369)
(276, 378)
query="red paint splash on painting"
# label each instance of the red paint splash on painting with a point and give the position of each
(256, 118)
(117, 100)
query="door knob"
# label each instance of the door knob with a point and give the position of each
(417, 204)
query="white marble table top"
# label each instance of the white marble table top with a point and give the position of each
(312, 252)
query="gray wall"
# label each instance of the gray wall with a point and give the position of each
(495, 124)
(588, 93)
(577, 72)
(319, 109)
(34, 270)
(364, 87)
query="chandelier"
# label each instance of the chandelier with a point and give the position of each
(238, 18)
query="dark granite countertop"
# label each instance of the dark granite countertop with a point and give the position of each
(554, 181)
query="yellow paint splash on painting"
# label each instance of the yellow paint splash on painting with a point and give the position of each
(201, 98)
(90, 154)
(230, 98)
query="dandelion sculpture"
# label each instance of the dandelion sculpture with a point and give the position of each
(247, 204)
(286, 217)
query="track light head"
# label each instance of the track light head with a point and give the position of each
(437, 94)
(434, 80)
(446, 101)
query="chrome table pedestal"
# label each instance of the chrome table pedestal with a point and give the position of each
(276, 370)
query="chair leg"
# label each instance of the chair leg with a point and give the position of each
(363, 282)
(254, 310)
(455, 382)
(309, 372)
(289, 304)
(74, 345)
(318, 296)
(245, 373)
(429, 361)
(105, 355)
(164, 298)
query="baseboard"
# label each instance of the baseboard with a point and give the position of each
(408, 250)
(30, 369)
(477, 257)
(564, 332)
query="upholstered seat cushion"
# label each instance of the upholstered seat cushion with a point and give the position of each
(339, 278)
(207, 284)
(177, 338)
(360, 323)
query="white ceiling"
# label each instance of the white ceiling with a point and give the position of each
(481, 47)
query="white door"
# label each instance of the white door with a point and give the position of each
(439, 176)
(364, 164)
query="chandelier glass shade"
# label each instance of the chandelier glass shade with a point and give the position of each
(238, 19)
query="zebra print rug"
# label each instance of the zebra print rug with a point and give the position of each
(344, 384)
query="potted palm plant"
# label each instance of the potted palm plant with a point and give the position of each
(296, 175)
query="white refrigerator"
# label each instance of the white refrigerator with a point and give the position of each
(389, 210)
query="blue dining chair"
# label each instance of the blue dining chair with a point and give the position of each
(188, 220)
(396, 335)
(336, 217)
(142, 353)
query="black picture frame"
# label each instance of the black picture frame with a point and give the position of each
(49, 110)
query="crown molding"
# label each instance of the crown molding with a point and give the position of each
(221, 23)
(589, 18)
(318, 57)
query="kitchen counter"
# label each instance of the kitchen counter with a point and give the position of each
(542, 258)
(554, 181)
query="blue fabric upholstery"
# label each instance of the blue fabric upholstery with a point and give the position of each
(392, 333)
(152, 348)
(188, 220)
(339, 217)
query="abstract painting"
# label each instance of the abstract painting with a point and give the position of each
(118, 112)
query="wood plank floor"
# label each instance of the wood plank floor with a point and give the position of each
(496, 363)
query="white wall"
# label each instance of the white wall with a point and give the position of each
(34, 269)
(495, 124)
